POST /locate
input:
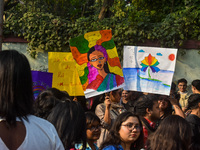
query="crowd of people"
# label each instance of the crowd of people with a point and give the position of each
(118, 120)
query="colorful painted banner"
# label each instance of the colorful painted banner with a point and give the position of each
(149, 69)
(97, 61)
(65, 75)
(41, 81)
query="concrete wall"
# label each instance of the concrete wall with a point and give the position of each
(187, 64)
(39, 64)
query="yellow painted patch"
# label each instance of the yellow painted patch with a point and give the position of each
(112, 52)
(154, 61)
(116, 70)
(80, 69)
(92, 38)
(145, 62)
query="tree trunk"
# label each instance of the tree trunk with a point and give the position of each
(104, 8)
(1, 23)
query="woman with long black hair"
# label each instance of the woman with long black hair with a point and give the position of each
(19, 129)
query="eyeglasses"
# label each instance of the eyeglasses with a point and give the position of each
(100, 58)
(131, 126)
(93, 128)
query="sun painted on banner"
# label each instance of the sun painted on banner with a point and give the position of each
(98, 66)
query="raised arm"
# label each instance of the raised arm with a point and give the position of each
(177, 108)
(103, 112)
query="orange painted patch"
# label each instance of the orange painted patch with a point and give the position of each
(85, 85)
(114, 62)
(80, 58)
(106, 35)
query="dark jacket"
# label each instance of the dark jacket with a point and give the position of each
(194, 122)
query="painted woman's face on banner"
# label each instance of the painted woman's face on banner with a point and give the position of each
(97, 60)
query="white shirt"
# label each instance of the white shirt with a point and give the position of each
(40, 135)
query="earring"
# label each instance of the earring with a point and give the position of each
(91, 66)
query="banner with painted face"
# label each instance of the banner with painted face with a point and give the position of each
(41, 81)
(149, 69)
(98, 66)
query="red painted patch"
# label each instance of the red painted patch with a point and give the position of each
(171, 57)
(149, 59)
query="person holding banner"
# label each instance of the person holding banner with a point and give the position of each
(108, 112)
(18, 128)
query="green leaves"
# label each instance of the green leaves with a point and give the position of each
(49, 29)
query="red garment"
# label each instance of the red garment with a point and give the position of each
(145, 131)
(119, 79)
(96, 83)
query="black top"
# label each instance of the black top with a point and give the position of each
(194, 122)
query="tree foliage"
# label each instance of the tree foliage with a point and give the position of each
(49, 24)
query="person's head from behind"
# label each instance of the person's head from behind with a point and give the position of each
(194, 103)
(182, 85)
(194, 106)
(93, 126)
(147, 106)
(16, 95)
(174, 133)
(134, 95)
(196, 86)
(44, 103)
(59, 94)
(127, 129)
(68, 117)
